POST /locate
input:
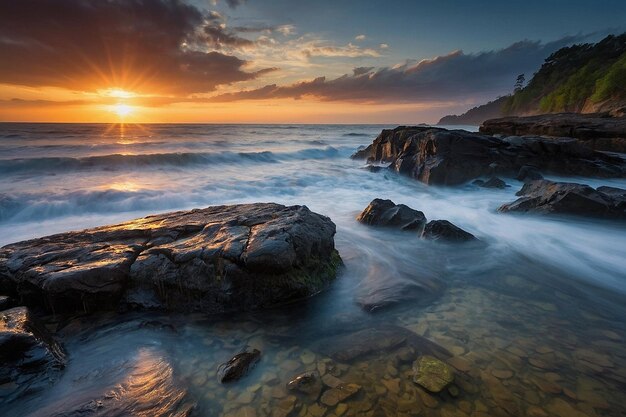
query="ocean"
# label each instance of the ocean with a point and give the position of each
(548, 289)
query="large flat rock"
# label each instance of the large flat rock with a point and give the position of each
(451, 157)
(597, 130)
(213, 260)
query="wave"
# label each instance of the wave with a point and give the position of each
(180, 159)
(39, 207)
(354, 134)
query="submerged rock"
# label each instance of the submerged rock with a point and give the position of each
(238, 366)
(307, 383)
(386, 213)
(216, 259)
(449, 157)
(547, 197)
(432, 374)
(446, 231)
(386, 285)
(26, 347)
(342, 392)
(377, 340)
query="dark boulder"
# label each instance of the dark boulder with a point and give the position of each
(213, 260)
(528, 173)
(547, 197)
(386, 213)
(26, 347)
(446, 231)
(238, 366)
(451, 157)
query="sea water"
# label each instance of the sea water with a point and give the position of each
(534, 317)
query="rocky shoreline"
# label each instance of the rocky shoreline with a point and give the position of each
(235, 258)
(599, 131)
(438, 156)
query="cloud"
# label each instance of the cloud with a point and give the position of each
(235, 3)
(317, 49)
(359, 37)
(383, 46)
(158, 45)
(455, 76)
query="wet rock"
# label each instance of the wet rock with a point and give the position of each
(6, 302)
(595, 130)
(547, 197)
(307, 383)
(374, 168)
(212, 260)
(26, 347)
(238, 366)
(451, 157)
(432, 374)
(445, 231)
(342, 392)
(386, 213)
(493, 182)
(528, 173)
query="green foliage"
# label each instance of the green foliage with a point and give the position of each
(572, 94)
(573, 76)
(613, 84)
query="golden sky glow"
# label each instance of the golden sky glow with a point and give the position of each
(115, 105)
(252, 62)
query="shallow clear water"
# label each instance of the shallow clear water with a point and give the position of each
(534, 317)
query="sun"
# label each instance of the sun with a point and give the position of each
(122, 109)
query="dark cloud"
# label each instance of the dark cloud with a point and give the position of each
(362, 70)
(145, 45)
(455, 76)
(235, 3)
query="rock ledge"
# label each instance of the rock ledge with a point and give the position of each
(217, 259)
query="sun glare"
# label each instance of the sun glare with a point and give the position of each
(116, 92)
(122, 109)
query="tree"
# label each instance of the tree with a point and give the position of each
(519, 83)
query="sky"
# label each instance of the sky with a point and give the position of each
(277, 61)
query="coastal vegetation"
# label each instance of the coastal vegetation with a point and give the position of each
(582, 78)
